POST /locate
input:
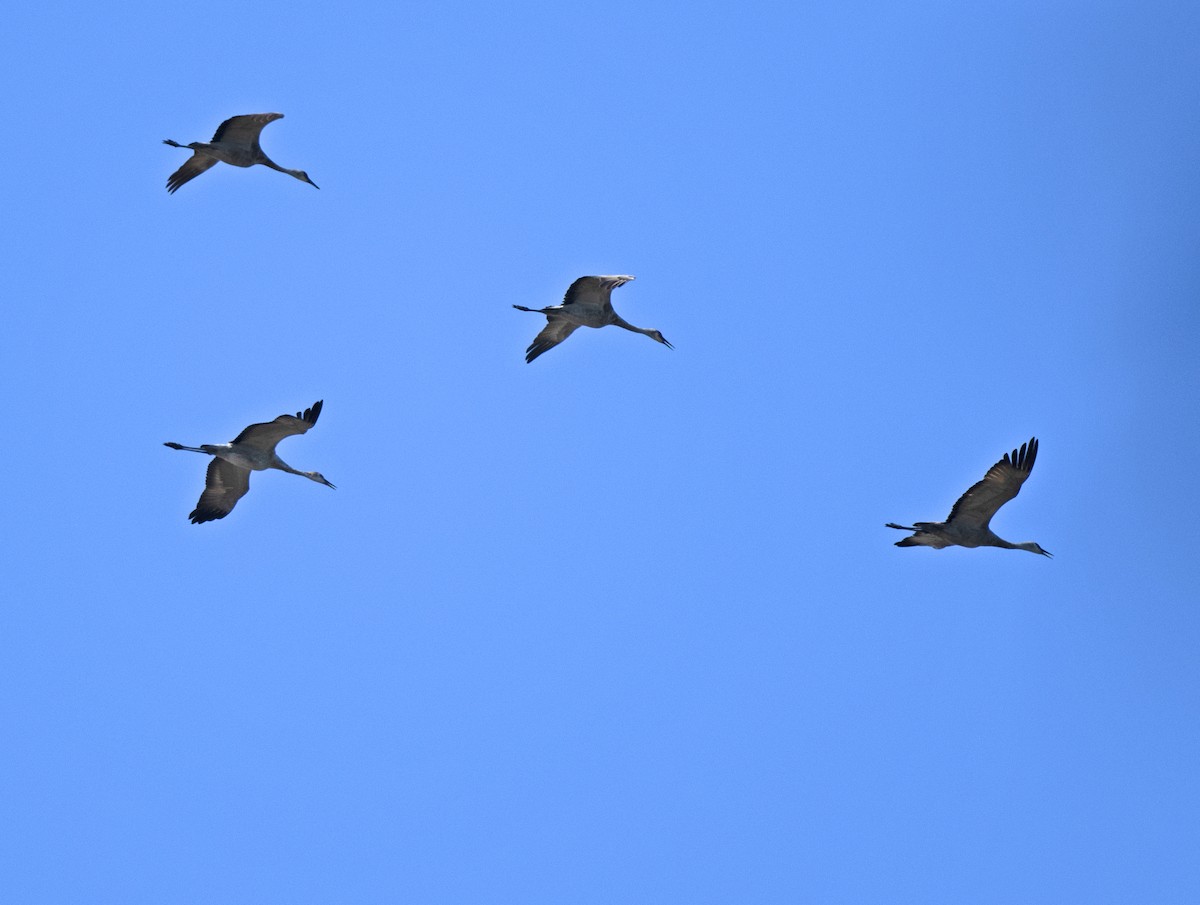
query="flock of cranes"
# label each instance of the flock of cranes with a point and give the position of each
(587, 303)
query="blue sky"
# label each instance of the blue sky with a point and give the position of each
(624, 624)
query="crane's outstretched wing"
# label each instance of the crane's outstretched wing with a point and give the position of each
(224, 485)
(1003, 481)
(245, 129)
(594, 290)
(556, 330)
(264, 436)
(196, 164)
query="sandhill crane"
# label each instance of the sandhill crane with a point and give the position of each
(235, 142)
(252, 450)
(588, 303)
(967, 525)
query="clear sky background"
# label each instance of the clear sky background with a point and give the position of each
(623, 625)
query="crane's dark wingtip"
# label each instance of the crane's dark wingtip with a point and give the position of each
(1024, 457)
(200, 516)
(535, 349)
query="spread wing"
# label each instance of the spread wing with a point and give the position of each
(224, 485)
(556, 330)
(244, 130)
(1003, 481)
(266, 435)
(595, 291)
(196, 164)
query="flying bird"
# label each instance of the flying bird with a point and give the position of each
(252, 450)
(235, 142)
(588, 303)
(967, 525)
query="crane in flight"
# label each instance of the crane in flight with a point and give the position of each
(252, 450)
(236, 143)
(967, 524)
(588, 303)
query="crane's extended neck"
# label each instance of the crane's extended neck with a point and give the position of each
(645, 331)
(311, 475)
(296, 174)
(1024, 545)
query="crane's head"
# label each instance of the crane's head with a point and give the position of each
(657, 336)
(303, 177)
(318, 477)
(1035, 548)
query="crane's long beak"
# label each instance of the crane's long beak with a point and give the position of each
(668, 345)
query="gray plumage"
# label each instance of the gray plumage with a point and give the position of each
(228, 478)
(967, 524)
(588, 303)
(235, 142)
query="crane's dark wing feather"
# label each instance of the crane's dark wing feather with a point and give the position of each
(269, 433)
(556, 330)
(196, 164)
(224, 485)
(1003, 481)
(244, 129)
(588, 291)
(594, 290)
